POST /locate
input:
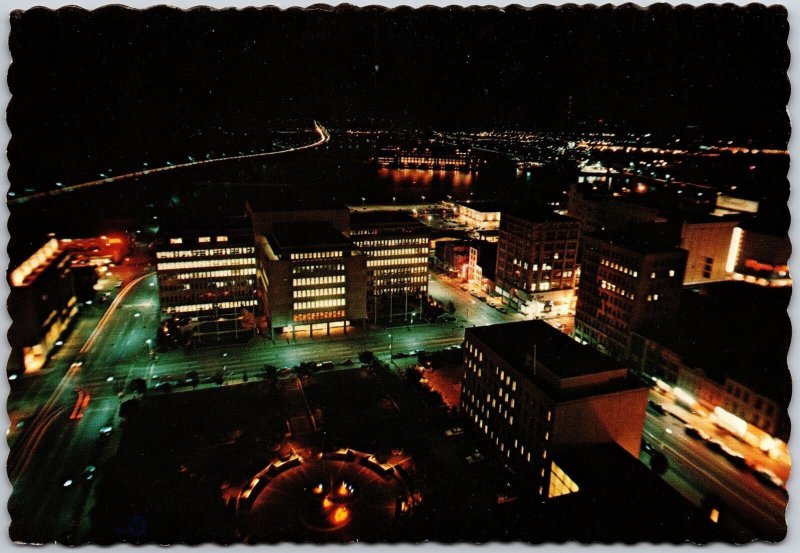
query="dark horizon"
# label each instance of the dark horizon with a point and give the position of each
(92, 88)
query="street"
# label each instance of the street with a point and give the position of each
(107, 350)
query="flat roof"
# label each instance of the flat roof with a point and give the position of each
(484, 206)
(646, 241)
(619, 496)
(378, 218)
(749, 327)
(286, 202)
(302, 236)
(555, 350)
(537, 213)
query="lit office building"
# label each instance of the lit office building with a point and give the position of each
(536, 260)
(479, 214)
(397, 249)
(529, 389)
(207, 277)
(41, 304)
(625, 283)
(312, 278)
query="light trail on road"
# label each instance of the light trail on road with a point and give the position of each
(324, 137)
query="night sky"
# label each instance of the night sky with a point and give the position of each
(116, 86)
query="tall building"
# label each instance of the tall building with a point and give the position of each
(207, 277)
(536, 259)
(528, 388)
(312, 278)
(41, 304)
(397, 249)
(626, 282)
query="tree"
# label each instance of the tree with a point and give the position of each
(659, 463)
(129, 409)
(137, 386)
(366, 357)
(269, 372)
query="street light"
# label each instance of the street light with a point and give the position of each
(391, 343)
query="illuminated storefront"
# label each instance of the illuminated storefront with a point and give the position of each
(42, 304)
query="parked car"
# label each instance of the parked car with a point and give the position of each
(656, 407)
(476, 457)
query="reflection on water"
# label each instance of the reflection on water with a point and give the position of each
(422, 178)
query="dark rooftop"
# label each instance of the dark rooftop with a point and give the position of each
(292, 237)
(555, 350)
(619, 496)
(191, 223)
(749, 328)
(643, 239)
(537, 213)
(379, 218)
(484, 206)
(287, 202)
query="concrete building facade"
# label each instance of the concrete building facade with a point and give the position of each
(312, 278)
(536, 260)
(625, 284)
(528, 388)
(207, 278)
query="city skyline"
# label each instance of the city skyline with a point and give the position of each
(452, 275)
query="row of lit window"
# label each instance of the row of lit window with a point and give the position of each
(620, 268)
(210, 306)
(400, 289)
(317, 304)
(652, 297)
(215, 252)
(315, 255)
(201, 239)
(205, 263)
(389, 242)
(318, 316)
(391, 281)
(215, 274)
(400, 271)
(399, 251)
(401, 261)
(316, 292)
(306, 269)
(617, 290)
(313, 281)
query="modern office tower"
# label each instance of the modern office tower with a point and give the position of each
(312, 278)
(626, 282)
(41, 304)
(207, 277)
(528, 388)
(397, 250)
(536, 259)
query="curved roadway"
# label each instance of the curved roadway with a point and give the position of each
(324, 136)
